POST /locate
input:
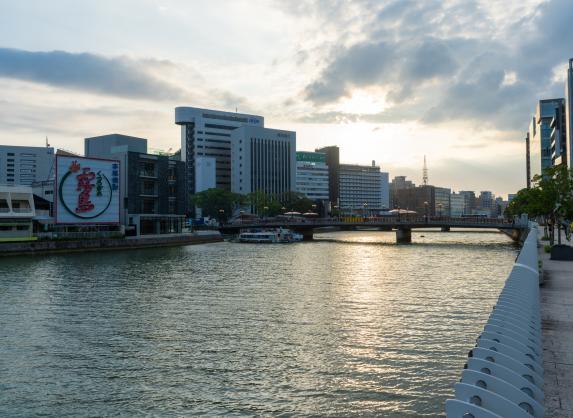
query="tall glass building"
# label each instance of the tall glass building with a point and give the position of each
(540, 134)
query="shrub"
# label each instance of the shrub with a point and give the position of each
(547, 248)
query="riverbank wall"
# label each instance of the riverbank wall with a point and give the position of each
(104, 244)
(504, 374)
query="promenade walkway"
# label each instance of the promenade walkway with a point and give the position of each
(557, 329)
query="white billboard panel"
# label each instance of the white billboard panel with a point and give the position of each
(87, 190)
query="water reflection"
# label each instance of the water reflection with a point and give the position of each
(343, 326)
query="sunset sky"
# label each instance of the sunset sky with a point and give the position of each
(389, 81)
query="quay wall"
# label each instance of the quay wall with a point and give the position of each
(103, 244)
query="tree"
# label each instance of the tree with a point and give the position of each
(216, 203)
(550, 199)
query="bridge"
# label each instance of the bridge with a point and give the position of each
(403, 226)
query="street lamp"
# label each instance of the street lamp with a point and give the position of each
(265, 210)
(221, 214)
(440, 209)
(426, 210)
(365, 205)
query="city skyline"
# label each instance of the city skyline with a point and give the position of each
(391, 81)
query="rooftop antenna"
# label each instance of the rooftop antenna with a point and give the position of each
(425, 173)
(47, 143)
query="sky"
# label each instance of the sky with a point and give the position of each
(390, 81)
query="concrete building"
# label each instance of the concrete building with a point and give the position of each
(558, 135)
(457, 204)
(263, 160)
(569, 114)
(152, 187)
(103, 145)
(333, 162)
(360, 188)
(486, 204)
(398, 183)
(206, 133)
(312, 175)
(384, 177)
(25, 165)
(421, 199)
(16, 213)
(527, 161)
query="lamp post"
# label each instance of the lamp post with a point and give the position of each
(221, 215)
(440, 209)
(426, 211)
(265, 210)
(365, 213)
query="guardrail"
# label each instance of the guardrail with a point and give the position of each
(504, 373)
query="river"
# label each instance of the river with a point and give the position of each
(350, 324)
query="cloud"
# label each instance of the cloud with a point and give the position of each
(446, 61)
(118, 76)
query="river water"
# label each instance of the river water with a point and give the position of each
(348, 325)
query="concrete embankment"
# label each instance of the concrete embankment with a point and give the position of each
(104, 244)
(556, 295)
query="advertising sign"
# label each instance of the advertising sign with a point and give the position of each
(87, 191)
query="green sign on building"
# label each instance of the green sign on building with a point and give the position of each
(311, 157)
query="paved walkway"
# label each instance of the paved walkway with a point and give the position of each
(557, 329)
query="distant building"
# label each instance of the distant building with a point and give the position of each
(511, 196)
(421, 199)
(469, 201)
(398, 183)
(152, 187)
(360, 188)
(263, 159)
(333, 162)
(457, 204)
(312, 175)
(26, 165)
(486, 203)
(569, 114)
(527, 161)
(103, 145)
(442, 201)
(385, 190)
(206, 133)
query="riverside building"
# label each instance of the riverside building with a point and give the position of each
(333, 162)
(312, 175)
(25, 165)
(540, 135)
(152, 187)
(360, 188)
(206, 145)
(263, 159)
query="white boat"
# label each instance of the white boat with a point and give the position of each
(270, 236)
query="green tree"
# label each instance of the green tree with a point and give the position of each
(216, 203)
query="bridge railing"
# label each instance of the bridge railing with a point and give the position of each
(503, 376)
(385, 220)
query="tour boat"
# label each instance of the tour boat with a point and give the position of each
(270, 236)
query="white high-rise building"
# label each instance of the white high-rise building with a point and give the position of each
(206, 133)
(360, 188)
(312, 175)
(26, 165)
(263, 160)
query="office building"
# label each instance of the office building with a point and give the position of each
(486, 204)
(360, 188)
(312, 175)
(152, 187)
(398, 183)
(540, 150)
(457, 204)
(569, 114)
(22, 166)
(333, 162)
(263, 160)
(469, 201)
(206, 140)
(558, 135)
(384, 177)
(421, 199)
(442, 201)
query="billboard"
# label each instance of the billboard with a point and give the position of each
(87, 190)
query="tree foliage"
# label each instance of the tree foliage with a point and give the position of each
(217, 203)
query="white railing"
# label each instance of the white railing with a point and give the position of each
(504, 373)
